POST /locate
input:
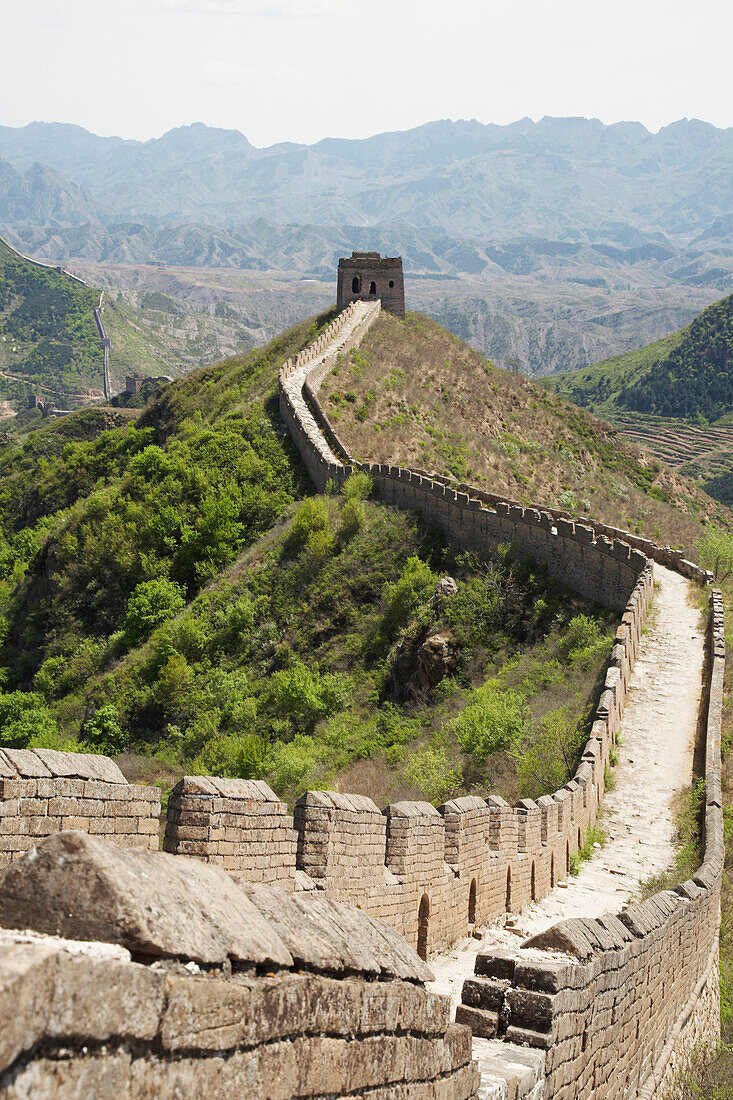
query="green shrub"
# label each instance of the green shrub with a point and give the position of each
(491, 721)
(150, 604)
(304, 695)
(311, 527)
(715, 552)
(595, 836)
(546, 758)
(103, 731)
(292, 767)
(583, 641)
(405, 596)
(433, 773)
(23, 716)
(352, 518)
(234, 756)
(358, 487)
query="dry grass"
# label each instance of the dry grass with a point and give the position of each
(416, 395)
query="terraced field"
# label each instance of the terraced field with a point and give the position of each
(702, 453)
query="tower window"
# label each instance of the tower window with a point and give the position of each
(372, 288)
(355, 285)
(391, 284)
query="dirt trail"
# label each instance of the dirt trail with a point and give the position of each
(655, 752)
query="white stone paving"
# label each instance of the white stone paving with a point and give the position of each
(655, 752)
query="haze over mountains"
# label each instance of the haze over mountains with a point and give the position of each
(628, 232)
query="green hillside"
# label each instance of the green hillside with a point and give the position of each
(48, 337)
(687, 375)
(170, 591)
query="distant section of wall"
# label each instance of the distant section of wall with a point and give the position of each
(619, 1020)
(44, 792)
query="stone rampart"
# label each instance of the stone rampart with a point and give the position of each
(43, 791)
(617, 1002)
(171, 984)
(613, 1017)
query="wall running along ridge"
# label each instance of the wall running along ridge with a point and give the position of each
(618, 1021)
(431, 874)
(43, 791)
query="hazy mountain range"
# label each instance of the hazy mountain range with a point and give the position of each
(508, 211)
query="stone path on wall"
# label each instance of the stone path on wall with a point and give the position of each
(655, 752)
(294, 384)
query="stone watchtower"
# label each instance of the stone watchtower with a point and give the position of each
(369, 276)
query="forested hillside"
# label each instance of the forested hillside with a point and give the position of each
(171, 592)
(688, 375)
(674, 397)
(48, 337)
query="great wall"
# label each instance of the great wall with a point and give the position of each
(260, 954)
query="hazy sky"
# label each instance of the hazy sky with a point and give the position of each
(301, 70)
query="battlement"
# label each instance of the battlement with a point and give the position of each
(43, 792)
(431, 873)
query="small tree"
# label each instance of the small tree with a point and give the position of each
(715, 552)
(151, 603)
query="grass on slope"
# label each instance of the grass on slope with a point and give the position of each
(416, 395)
(600, 387)
(685, 375)
(48, 337)
(304, 663)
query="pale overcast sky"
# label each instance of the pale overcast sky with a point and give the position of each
(300, 70)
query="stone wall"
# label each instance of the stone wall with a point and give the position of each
(431, 873)
(618, 1002)
(187, 985)
(614, 1018)
(44, 792)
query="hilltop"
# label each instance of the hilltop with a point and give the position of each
(416, 395)
(48, 336)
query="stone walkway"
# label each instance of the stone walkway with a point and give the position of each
(655, 751)
(294, 384)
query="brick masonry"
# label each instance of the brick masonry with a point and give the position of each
(268, 996)
(43, 791)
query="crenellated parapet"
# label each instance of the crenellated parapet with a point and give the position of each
(617, 1002)
(43, 792)
(431, 873)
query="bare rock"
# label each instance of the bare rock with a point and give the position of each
(436, 658)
